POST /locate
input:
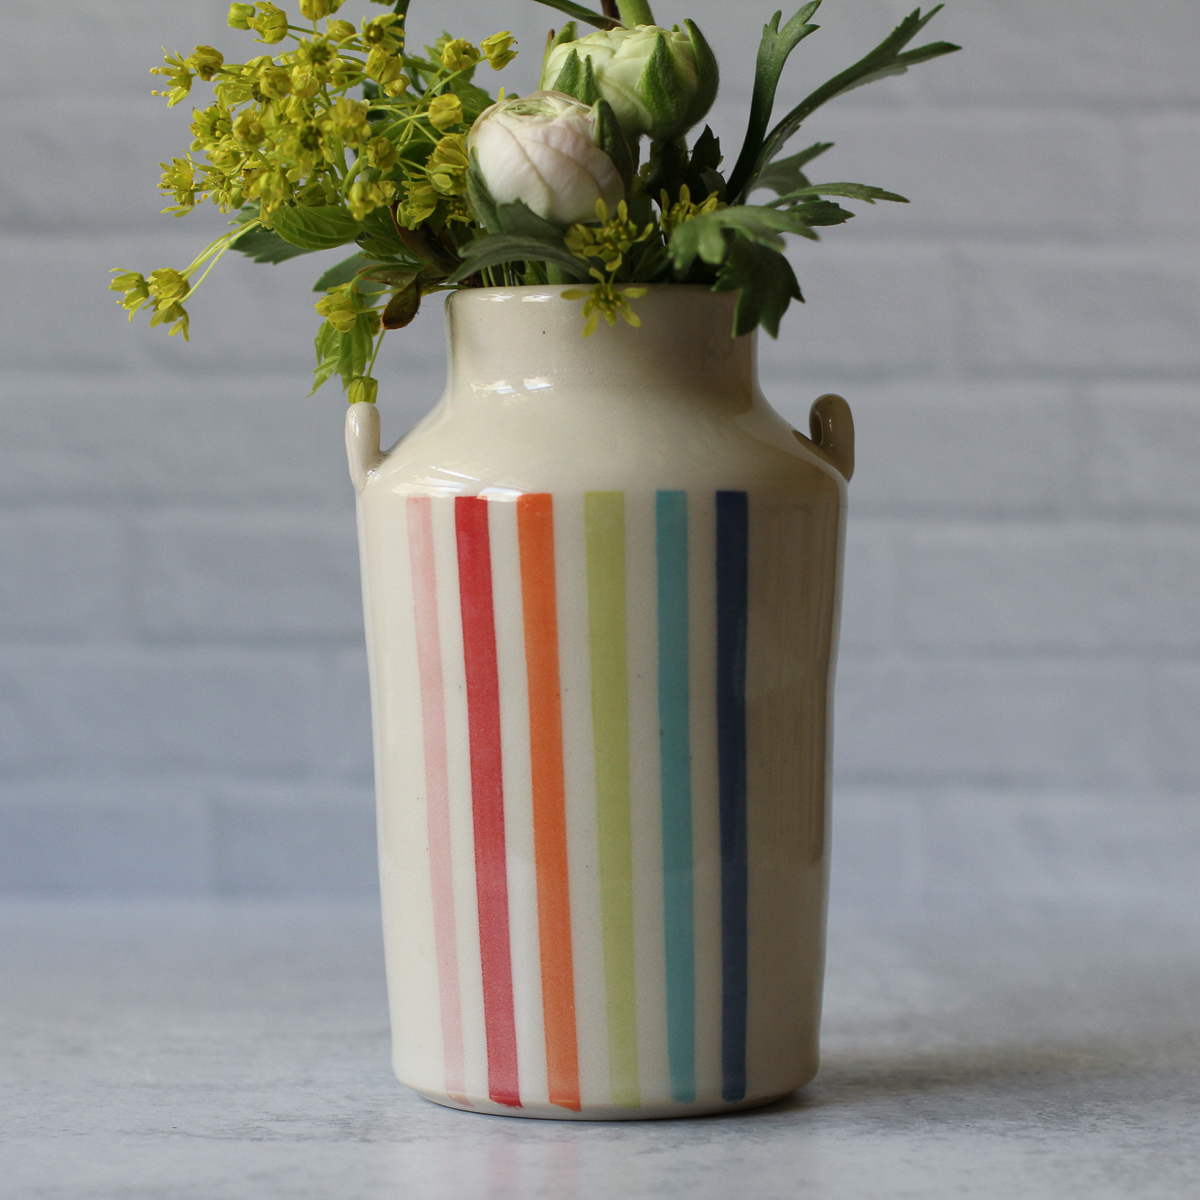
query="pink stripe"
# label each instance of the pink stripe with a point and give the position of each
(437, 787)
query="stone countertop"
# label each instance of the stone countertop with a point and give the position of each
(208, 1051)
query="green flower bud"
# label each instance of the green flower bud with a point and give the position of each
(448, 165)
(659, 82)
(206, 62)
(458, 54)
(498, 49)
(362, 391)
(248, 130)
(384, 32)
(306, 81)
(270, 23)
(382, 153)
(168, 286)
(239, 16)
(274, 82)
(318, 10)
(444, 111)
(347, 120)
(383, 66)
(364, 198)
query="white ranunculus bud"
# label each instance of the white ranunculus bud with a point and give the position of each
(542, 149)
(659, 82)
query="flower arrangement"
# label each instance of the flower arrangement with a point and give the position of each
(349, 136)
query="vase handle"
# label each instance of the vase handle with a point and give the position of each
(362, 443)
(832, 426)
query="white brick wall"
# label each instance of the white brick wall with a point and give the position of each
(182, 683)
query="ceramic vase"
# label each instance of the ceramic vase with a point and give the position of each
(601, 582)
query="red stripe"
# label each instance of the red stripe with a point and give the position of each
(487, 795)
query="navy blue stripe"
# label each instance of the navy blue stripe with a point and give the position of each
(733, 569)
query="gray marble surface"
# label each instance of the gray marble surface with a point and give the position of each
(218, 1051)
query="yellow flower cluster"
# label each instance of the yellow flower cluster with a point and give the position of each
(609, 241)
(683, 210)
(606, 300)
(282, 128)
(333, 115)
(166, 290)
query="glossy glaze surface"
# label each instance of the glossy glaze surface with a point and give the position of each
(601, 582)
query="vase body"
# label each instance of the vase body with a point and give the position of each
(601, 583)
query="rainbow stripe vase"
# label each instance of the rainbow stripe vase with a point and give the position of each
(602, 582)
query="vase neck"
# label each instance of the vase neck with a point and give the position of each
(528, 343)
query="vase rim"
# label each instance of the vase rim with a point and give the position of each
(555, 290)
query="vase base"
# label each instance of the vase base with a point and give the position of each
(597, 1112)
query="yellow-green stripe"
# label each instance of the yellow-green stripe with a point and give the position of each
(604, 518)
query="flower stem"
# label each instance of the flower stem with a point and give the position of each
(635, 12)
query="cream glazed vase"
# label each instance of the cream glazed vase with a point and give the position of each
(602, 582)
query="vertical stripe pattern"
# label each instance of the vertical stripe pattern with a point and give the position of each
(487, 796)
(633, 985)
(437, 789)
(535, 523)
(674, 714)
(604, 515)
(733, 542)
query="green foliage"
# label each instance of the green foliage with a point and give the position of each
(854, 191)
(711, 236)
(323, 228)
(347, 354)
(764, 281)
(341, 274)
(773, 53)
(305, 165)
(500, 249)
(887, 59)
(265, 246)
(578, 12)
(787, 174)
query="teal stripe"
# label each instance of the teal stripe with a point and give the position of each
(675, 726)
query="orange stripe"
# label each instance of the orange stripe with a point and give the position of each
(535, 526)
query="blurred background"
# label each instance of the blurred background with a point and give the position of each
(183, 698)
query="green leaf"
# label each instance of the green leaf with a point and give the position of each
(379, 237)
(787, 174)
(480, 199)
(265, 246)
(403, 307)
(855, 191)
(888, 58)
(579, 13)
(496, 248)
(518, 218)
(822, 212)
(345, 271)
(474, 99)
(611, 139)
(773, 52)
(708, 237)
(321, 228)
(344, 354)
(765, 283)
